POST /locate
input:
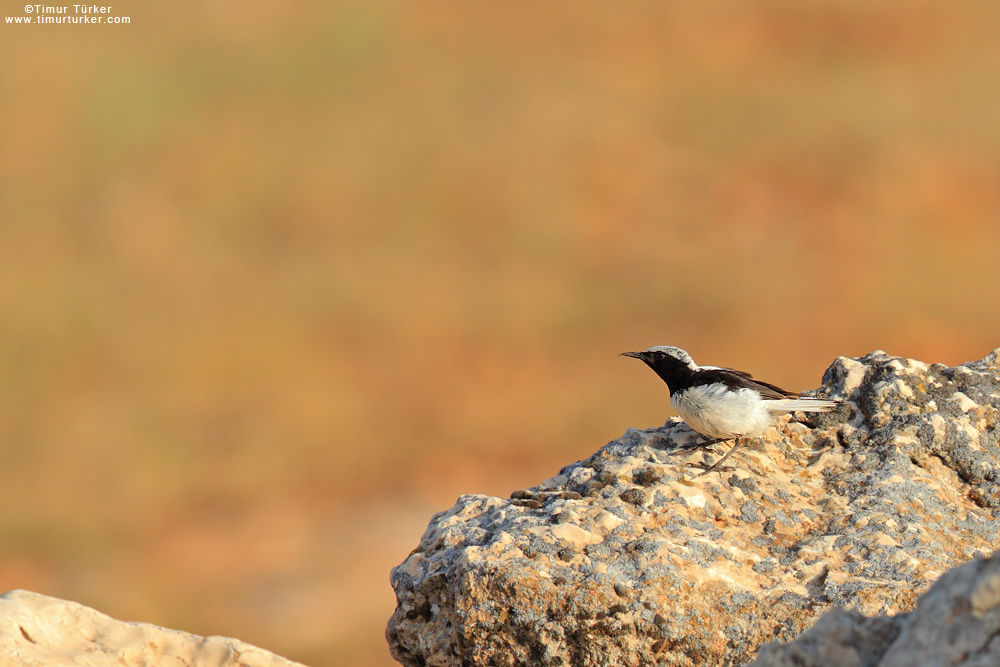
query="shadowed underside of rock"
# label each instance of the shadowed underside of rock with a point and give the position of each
(956, 624)
(630, 558)
(39, 631)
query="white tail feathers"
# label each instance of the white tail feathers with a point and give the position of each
(802, 405)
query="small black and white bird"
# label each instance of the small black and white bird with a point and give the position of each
(722, 403)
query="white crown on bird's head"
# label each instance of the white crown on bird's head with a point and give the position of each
(675, 352)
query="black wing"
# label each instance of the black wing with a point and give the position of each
(739, 380)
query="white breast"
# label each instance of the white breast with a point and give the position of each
(717, 412)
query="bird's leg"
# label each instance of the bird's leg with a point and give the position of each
(684, 449)
(739, 441)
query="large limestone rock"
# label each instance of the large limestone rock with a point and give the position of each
(39, 631)
(631, 558)
(956, 624)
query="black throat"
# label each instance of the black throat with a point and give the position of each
(674, 372)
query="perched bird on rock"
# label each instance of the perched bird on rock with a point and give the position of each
(722, 403)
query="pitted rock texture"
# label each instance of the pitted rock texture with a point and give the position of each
(631, 558)
(956, 623)
(40, 631)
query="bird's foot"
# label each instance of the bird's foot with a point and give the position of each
(716, 466)
(684, 449)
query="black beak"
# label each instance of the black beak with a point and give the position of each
(635, 355)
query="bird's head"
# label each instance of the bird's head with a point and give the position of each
(664, 357)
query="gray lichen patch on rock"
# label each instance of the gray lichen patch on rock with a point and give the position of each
(629, 557)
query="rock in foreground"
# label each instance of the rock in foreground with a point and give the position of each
(39, 631)
(956, 624)
(631, 558)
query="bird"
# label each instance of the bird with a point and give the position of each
(723, 404)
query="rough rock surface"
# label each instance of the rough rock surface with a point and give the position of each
(956, 623)
(40, 631)
(631, 558)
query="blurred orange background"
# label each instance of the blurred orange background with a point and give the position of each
(278, 280)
